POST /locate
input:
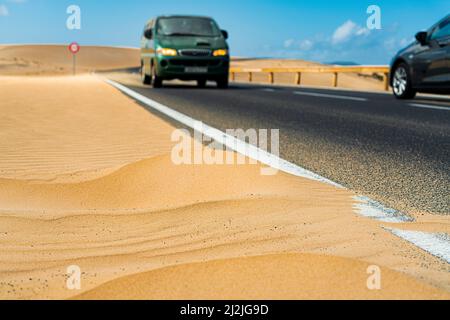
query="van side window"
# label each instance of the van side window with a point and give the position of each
(148, 26)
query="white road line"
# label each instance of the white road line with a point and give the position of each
(229, 141)
(333, 96)
(268, 90)
(428, 106)
(436, 244)
(375, 210)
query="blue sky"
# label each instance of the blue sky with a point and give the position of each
(317, 30)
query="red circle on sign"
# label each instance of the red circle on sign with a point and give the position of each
(74, 47)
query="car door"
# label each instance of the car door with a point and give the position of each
(432, 64)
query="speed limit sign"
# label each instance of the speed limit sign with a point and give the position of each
(74, 48)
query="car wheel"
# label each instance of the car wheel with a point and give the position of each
(145, 78)
(401, 83)
(222, 83)
(201, 83)
(157, 82)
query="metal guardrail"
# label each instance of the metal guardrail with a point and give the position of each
(384, 70)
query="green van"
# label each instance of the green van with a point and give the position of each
(185, 48)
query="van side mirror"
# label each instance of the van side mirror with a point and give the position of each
(225, 34)
(422, 37)
(148, 34)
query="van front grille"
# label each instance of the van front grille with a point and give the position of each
(195, 52)
(194, 63)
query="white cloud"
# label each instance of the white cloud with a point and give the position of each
(306, 45)
(288, 43)
(3, 11)
(349, 42)
(348, 30)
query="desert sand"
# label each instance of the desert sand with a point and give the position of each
(86, 179)
(57, 59)
(278, 277)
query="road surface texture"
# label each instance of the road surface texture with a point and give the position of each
(396, 152)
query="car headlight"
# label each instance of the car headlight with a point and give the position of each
(167, 52)
(220, 53)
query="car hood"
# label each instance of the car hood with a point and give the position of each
(192, 42)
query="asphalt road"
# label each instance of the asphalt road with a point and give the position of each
(396, 152)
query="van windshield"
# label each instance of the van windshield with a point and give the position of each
(187, 27)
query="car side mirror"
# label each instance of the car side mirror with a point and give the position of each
(148, 34)
(225, 34)
(422, 37)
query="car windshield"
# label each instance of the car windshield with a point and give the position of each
(187, 27)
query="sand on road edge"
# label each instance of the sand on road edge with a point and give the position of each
(91, 183)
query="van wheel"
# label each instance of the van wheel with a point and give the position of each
(201, 83)
(401, 83)
(222, 83)
(146, 79)
(157, 82)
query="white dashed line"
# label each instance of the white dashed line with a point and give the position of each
(333, 96)
(428, 106)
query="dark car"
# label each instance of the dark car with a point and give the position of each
(424, 66)
(185, 48)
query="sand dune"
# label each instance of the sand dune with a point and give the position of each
(110, 244)
(279, 277)
(62, 121)
(86, 179)
(153, 185)
(57, 59)
(273, 63)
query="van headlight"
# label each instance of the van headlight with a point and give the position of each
(167, 52)
(220, 53)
